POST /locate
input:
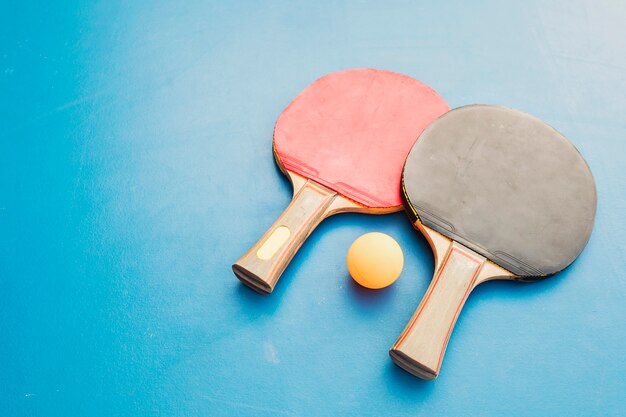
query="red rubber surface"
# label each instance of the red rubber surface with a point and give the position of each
(352, 130)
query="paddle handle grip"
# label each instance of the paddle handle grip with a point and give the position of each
(421, 346)
(261, 267)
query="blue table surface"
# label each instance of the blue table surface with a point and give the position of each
(136, 166)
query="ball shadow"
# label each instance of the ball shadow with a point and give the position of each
(403, 384)
(368, 301)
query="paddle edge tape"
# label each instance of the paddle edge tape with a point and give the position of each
(522, 269)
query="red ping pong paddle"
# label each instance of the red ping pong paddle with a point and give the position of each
(342, 142)
(498, 194)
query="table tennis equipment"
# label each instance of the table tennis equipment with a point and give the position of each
(342, 142)
(375, 260)
(498, 194)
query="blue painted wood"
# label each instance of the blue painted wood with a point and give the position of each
(136, 166)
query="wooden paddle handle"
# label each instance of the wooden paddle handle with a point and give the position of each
(261, 267)
(420, 348)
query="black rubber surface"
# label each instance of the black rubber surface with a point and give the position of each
(504, 184)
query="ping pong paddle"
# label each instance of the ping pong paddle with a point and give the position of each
(342, 142)
(498, 194)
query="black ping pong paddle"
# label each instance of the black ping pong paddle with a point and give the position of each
(498, 194)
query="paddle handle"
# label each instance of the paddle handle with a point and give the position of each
(421, 346)
(261, 267)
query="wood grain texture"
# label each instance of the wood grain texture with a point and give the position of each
(421, 346)
(261, 267)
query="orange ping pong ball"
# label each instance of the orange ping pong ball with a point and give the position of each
(375, 260)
